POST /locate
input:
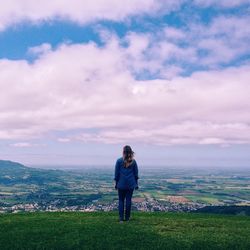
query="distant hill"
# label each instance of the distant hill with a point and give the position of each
(101, 230)
(16, 173)
(20, 184)
(10, 165)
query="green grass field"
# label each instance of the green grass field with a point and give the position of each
(101, 230)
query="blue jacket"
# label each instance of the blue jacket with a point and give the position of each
(126, 178)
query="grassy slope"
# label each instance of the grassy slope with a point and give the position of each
(101, 230)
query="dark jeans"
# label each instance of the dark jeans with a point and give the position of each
(125, 193)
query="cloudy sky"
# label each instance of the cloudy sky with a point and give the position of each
(80, 79)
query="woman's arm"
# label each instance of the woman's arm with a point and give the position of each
(117, 174)
(136, 173)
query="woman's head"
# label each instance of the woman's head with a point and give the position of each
(128, 155)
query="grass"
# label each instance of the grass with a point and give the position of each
(101, 230)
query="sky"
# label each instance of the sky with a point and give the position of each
(81, 79)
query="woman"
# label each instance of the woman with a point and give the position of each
(126, 180)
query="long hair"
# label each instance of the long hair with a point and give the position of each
(128, 155)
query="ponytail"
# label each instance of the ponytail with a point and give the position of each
(128, 155)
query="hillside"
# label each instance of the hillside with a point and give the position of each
(101, 230)
(7, 165)
(48, 188)
(15, 173)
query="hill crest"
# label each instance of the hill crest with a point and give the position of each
(11, 164)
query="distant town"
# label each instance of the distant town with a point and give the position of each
(151, 206)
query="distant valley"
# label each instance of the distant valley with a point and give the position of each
(90, 189)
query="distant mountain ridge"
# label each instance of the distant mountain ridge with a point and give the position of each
(11, 164)
(16, 173)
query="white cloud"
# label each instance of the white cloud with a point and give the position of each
(187, 132)
(223, 40)
(63, 140)
(221, 3)
(25, 145)
(174, 33)
(168, 52)
(21, 145)
(155, 53)
(15, 11)
(83, 86)
(41, 49)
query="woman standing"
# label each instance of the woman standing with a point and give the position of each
(126, 178)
